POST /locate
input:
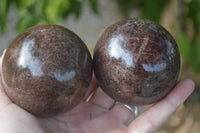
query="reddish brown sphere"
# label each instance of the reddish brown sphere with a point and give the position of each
(46, 70)
(136, 61)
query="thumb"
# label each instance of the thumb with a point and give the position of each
(151, 120)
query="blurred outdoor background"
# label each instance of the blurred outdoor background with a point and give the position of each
(89, 18)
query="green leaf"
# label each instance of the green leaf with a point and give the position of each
(195, 58)
(3, 15)
(198, 23)
(55, 9)
(189, 51)
(193, 11)
(184, 46)
(76, 6)
(25, 22)
(26, 3)
(94, 5)
(153, 10)
(126, 6)
(149, 9)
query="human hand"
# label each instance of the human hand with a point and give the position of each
(99, 115)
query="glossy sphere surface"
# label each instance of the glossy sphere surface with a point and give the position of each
(136, 61)
(46, 70)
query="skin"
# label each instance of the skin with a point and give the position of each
(99, 115)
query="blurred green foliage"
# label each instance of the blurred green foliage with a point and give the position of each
(150, 9)
(190, 46)
(34, 12)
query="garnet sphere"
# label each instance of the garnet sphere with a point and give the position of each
(46, 70)
(136, 61)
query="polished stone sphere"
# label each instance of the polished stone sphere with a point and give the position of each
(136, 61)
(46, 70)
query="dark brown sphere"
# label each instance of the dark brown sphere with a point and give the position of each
(136, 61)
(46, 70)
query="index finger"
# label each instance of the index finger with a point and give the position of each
(151, 120)
(4, 100)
